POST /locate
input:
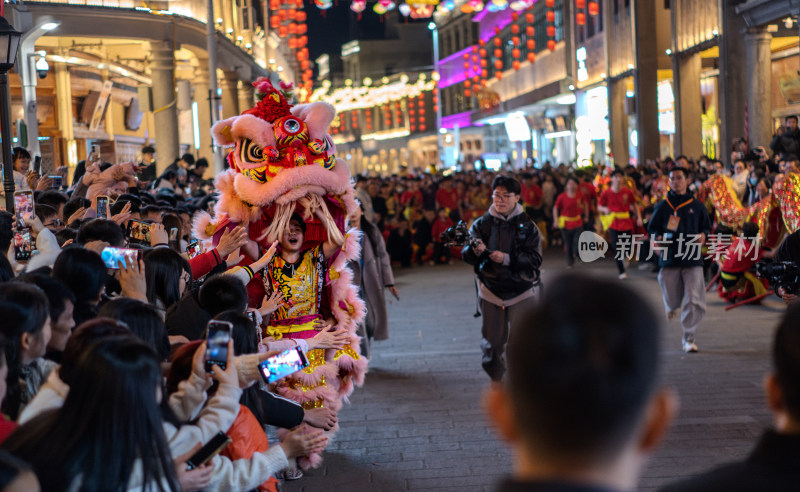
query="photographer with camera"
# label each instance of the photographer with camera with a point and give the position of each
(784, 272)
(506, 252)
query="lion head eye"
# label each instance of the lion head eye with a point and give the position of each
(291, 125)
(252, 152)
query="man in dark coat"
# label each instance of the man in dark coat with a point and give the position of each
(506, 254)
(787, 142)
(774, 463)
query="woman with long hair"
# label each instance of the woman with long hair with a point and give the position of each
(167, 275)
(26, 324)
(85, 274)
(142, 319)
(109, 434)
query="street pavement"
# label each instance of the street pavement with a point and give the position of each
(418, 423)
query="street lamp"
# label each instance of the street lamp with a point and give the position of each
(9, 42)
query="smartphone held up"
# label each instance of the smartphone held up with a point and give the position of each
(218, 336)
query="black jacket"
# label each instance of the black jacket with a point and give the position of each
(693, 220)
(787, 143)
(519, 238)
(773, 466)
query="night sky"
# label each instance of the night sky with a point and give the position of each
(329, 29)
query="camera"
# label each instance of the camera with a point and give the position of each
(457, 235)
(42, 66)
(780, 274)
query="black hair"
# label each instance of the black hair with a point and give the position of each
(149, 209)
(571, 178)
(221, 293)
(201, 162)
(169, 175)
(84, 273)
(65, 235)
(616, 172)
(135, 204)
(580, 382)
(6, 270)
(188, 158)
(750, 230)
(54, 198)
(507, 182)
(6, 229)
(23, 309)
(142, 319)
(299, 219)
(163, 269)
(73, 205)
(147, 149)
(101, 230)
(19, 153)
(11, 468)
(57, 293)
(173, 221)
(791, 117)
(110, 422)
(82, 338)
(680, 169)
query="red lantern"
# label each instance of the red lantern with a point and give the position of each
(550, 16)
(497, 42)
(515, 40)
(498, 64)
(484, 74)
(413, 128)
(529, 17)
(530, 31)
(514, 28)
(274, 4)
(594, 9)
(580, 18)
(304, 65)
(467, 83)
(515, 65)
(531, 44)
(551, 45)
(292, 28)
(482, 53)
(282, 14)
(499, 75)
(580, 4)
(283, 31)
(551, 31)
(496, 30)
(483, 63)
(474, 48)
(467, 93)
(475, 80)
(466, 65)
(515, 53)
(274, 22)
(292, 14)
(481, 42)
(422, 128)
(550, 3)
(474, 58)
(465, 56)
(531, 57)
(514, 16)
(498, 53)
(292, 43)
(302, 29)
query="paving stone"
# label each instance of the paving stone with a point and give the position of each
(418, 423)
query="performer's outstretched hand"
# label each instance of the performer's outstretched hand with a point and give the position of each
(271, 304)
(329, 340)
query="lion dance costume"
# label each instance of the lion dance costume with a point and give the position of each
(283, 162)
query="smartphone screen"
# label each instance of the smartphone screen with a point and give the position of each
(193, 249)
(219, 334)
(23, 244)
(208, 451)
(23, 207)
(139, 232)
(173, 234)
(37, 164)
(57, 181)
(102, 207)
(113, 256)
(281, 365)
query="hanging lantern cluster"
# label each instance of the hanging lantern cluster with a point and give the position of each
(551, 21)
(594, 9)
(368, 119)
(467, 81)
(398, 113)
(580, 15)
(412, 113)
(354, 120)
(288, 19)
(421, 111)
(476, 67)
(530, 44)
(483, 61)
(515, 41)
(498, 54)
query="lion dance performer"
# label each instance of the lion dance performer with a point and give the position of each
(284, 176)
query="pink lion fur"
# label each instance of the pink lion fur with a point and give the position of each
(318, 116)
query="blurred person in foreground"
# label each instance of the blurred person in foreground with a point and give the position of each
(580, 404)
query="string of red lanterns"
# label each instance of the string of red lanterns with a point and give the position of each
(530, 32)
